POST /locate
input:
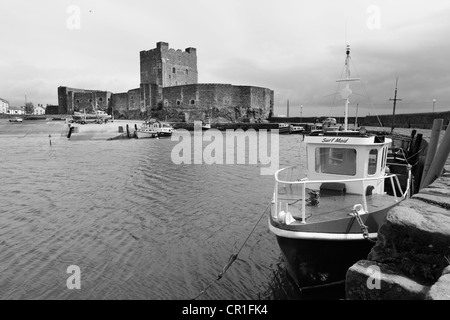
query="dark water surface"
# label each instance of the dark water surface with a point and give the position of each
(137, 225)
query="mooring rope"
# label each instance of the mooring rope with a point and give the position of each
(364, 228)
(233, 257)
(367, 94)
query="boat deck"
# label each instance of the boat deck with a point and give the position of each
(329, 207)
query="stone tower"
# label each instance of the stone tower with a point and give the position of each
(163, 67)
(168, 67)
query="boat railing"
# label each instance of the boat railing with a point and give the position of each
(288, 182)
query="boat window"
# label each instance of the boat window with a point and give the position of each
(373, 160)
(383, 159)
(336, 161)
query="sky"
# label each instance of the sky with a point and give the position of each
(294, 47)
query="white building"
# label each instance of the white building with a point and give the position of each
(4, 106)
(16, 110)
(39, 110)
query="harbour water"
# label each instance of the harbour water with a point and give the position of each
(137, 225)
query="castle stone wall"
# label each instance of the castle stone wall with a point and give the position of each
(120, 105)
(221, 102)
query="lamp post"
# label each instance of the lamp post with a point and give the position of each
(434, 101)
(301, 113)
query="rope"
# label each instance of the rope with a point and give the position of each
(364, 228)
(336, 93)
(373, 107)
(233, 257)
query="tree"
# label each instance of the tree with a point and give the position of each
(29, 108)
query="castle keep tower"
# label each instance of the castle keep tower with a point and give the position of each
(163, 67)
(168, 67)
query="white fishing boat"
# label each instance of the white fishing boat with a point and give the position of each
(328, 219)
(206, 125)
(283, 128)
(146, 131)
(296, 129)
(163, 129)
(99, 116)
(154, 129)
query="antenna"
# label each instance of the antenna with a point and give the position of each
(395, 102)
(346, 92)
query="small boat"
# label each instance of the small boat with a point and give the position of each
(326, 221)
(329, 122)
(98, 116)
(283, 128)
(16, 119)
(315, 127)
(206, 125)
(154, 129)
(146, 131)
(163, 129)
(296, 129)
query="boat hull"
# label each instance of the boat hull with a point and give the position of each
(318, 254)
(316, 263)
(164, 134)
(283, 129)
(145, 135)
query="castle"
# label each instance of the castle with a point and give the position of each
(169, 89)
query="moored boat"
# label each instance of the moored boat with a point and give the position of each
(146, 131)
(283, 128)
(206, 125)
(296, 129)
(154, 129)
(98, 116)
(163, 129)
(329, 219)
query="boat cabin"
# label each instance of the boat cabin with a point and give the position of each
(343, 156)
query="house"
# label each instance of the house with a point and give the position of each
(40, 109)
(16, 110)
(4, 106)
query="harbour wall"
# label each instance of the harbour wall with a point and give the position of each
(411, 258)
(423, 120)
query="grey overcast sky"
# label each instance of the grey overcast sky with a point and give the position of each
(294, 47)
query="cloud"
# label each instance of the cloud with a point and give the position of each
(295, 48)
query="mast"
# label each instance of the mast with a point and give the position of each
(395, 102)
(346, 92)
(288, 108)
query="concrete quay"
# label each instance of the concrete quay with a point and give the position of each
(411, 259)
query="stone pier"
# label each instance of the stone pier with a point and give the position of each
(411, 259)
